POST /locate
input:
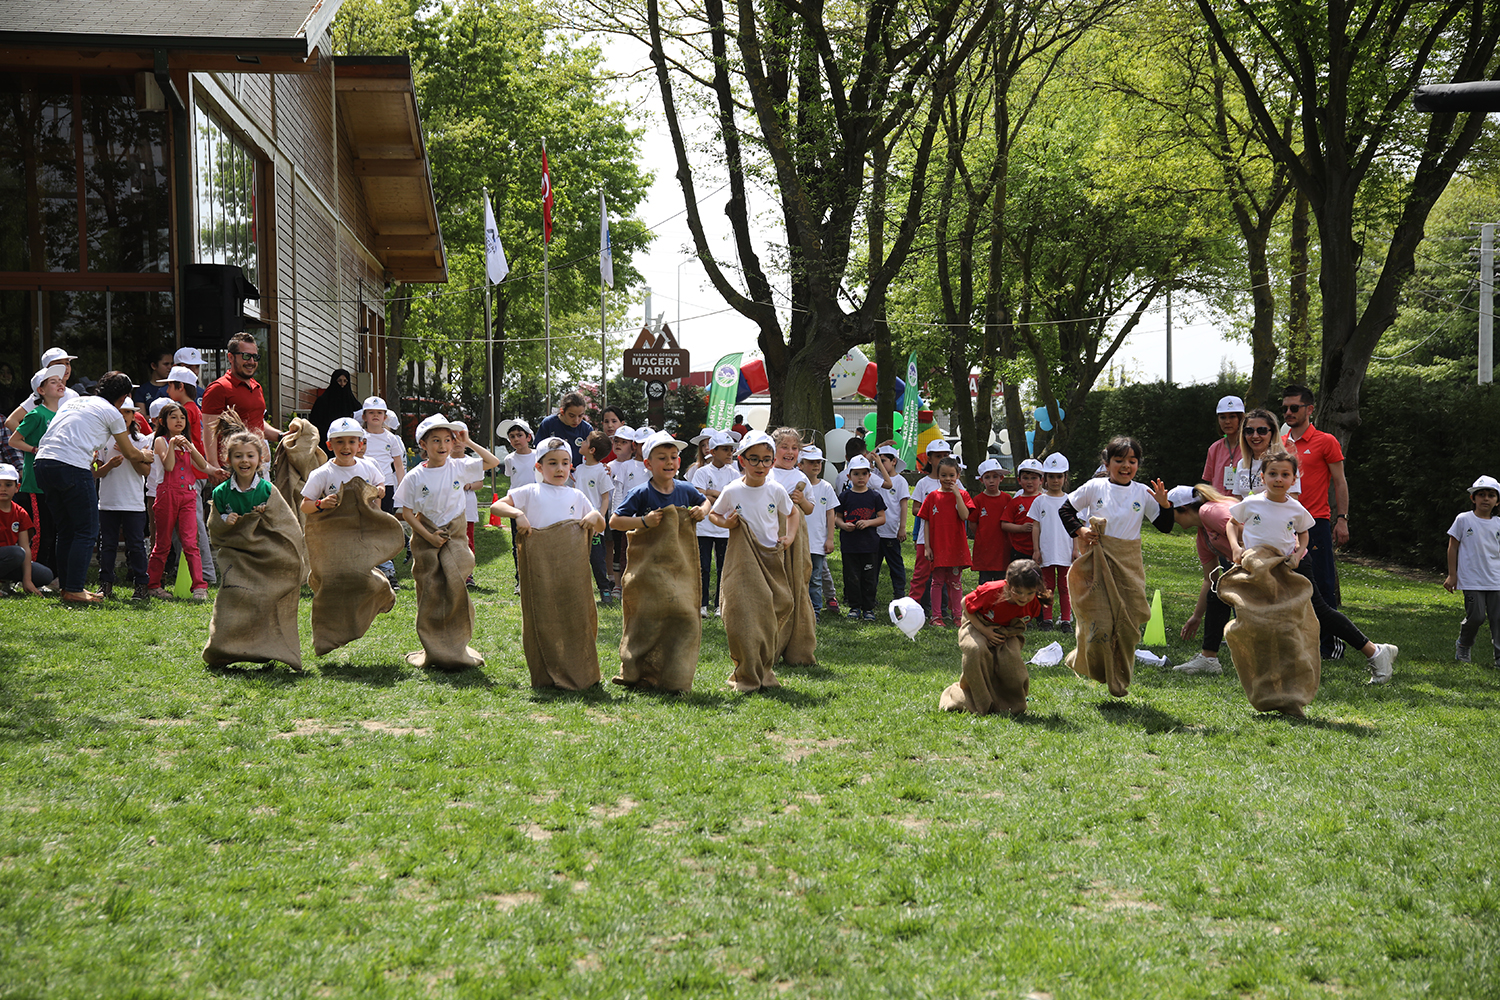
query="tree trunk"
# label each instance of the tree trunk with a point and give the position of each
(1299, 339)
(1338, 281)
(1263, 326)
(395, 336)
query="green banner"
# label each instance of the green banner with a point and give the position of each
(909, 415)
(726, 386)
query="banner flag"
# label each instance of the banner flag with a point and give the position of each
(909, 417)
(495, 264)
(546, 197)
(606, 251)
(726, 387)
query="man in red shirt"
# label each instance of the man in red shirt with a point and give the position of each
(237, 388)
(1322, 466)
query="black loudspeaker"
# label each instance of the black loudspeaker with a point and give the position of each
(213, 304)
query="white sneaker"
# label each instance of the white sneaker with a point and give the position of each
(1383, 663)
(703, 611)
(1200, 664)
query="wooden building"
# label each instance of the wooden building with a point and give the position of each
(140, 135)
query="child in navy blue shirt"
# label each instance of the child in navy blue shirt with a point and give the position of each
(860, 512)
(663, 455)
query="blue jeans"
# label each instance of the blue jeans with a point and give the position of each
(893, 557)
(133, 523)
(815, 582)
(75, 503)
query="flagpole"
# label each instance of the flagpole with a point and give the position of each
(489, 343)
(603, 249)
(547, 301)
(603, 383)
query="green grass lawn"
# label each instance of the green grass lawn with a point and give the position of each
(369, 829)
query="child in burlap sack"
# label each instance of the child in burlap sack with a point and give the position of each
(1108, 581)
(990, 638)
(431, 498)
(554, 525)
(345, 545)
(1275, 520)
(761, 590)
(662, 621)
(255, 612)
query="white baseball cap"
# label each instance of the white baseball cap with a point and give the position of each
(857, 463)
(754, 438)
(8, 471)
(157, 405)
(1181, 496)
(656, 440)
(1056, 462)
(505, 427)
(1485, 483)
(722, 439)
(623, 432)
(701, 437)
(178, 374)
(1030, 465)
(643, 434)
(55, 355)
(432, 423)
(1231, 404)
(373, 403)
(891, 450)
(990, 465)
(51, 371)
(939, 447)
(812, 453)
(344, 427)
(552, 444)
(128, 403)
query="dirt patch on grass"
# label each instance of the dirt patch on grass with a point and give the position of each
(507, 901)
(377, 726)
(916, 824)
(794, 749)
(317, 727)
(536, 832)
(1113, 899)
(623, 807)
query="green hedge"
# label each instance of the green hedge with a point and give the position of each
(1175, 424)
(1409, 465)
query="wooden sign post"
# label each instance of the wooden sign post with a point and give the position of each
(656, 360)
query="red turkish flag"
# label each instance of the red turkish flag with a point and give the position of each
(546, 198)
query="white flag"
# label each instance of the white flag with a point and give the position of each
(494, 253)
(606, 252)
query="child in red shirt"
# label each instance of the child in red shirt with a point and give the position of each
(990, 638)
(991, 546)
(1014, 602)
(1017, 517)
(15, 539)
(945, 510)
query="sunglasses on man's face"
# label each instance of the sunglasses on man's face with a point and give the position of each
(1292, 407)
(247, 357)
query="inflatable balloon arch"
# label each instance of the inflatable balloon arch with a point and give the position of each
(855, 375)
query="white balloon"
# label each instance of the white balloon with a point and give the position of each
(847, 372)
(1004, 441)
(834, 443)
(908, 616)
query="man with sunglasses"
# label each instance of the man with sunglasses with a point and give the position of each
(1322, 466)
(236, 388)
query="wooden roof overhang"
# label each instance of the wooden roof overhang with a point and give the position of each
(378, 107)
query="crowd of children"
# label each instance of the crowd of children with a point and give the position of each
(621, 479)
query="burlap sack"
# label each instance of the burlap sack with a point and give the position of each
(559, 622)
(1273, 639)
(445, 615)
(344, 545)
(801, 647)
(660, 590)
(759, 608)
(994, 679)
(1108, 587)
(255, 612)
(297, 455)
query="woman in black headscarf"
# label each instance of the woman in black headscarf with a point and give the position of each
(338, 400)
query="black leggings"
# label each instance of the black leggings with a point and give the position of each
(708, 548)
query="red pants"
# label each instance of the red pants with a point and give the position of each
(946, 580)
(1055, 579)
(921, 570)
(176, 509)
(471, 536)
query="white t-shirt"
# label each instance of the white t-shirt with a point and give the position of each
(898, 491)
(1265, 522)
(1124, 507)
(1478, 551)
(824, 500)
(471, 497)
(1055, 545)
(919, 492)
(709, 478)
(789, 478)
(758, 507)
(438, 493)
(628, 475)
(29, 403)
(545, 505)
(153, 478)
(327, 478)
(520, 469)
(597, 483)
(387, 452)
(81, 427)
(122, 488)
(1247, 479)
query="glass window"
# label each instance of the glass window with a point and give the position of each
(38, 174)
(125, 179)
(111, 330)
(226, 191)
